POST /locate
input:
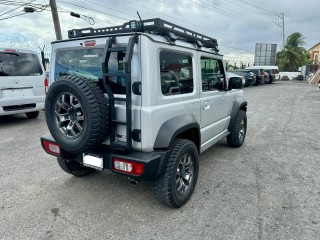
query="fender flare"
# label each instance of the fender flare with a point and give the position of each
(239, 103)
(173, 127)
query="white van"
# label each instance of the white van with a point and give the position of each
(23, 83)
(274, 69)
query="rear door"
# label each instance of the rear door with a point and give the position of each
(21, 75)
(84, 58)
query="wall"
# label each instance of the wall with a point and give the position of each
(315, 53)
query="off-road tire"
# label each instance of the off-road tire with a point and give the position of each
(238, 130)
(165, 186)
(94, 110)
(74, 168)
(32, 115)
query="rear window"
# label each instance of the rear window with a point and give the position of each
(255, 71)
(241, 73)
(80, 62)
(88, 63)
(19, 64)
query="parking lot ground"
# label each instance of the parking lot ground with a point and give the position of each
(267, 189)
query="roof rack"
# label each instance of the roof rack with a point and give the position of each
(155, 26)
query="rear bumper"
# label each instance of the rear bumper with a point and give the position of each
(153, 162)
(10, 106)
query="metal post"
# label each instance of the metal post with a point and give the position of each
(283, 38)
(55, 18)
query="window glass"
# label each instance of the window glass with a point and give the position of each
(88, 63)
(80, 62)
(19, 64)
(211, 74)
(176, 74)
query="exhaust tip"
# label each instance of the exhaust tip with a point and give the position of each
(134, 182)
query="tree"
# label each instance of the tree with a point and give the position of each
(293, 55)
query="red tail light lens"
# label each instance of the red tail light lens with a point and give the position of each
(91, 43)
(128, 167)
(10, 50)
(51, 148)
(46, 85)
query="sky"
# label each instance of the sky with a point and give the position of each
(237, 24)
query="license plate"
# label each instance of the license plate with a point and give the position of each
(93, 162)
(13, 93)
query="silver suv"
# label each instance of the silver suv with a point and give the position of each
(144, 100)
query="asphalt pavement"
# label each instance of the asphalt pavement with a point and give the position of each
(267, 189)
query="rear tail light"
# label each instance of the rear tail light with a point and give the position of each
(128, 167)
(46, 85)
(10, 50)
(51, 148)
(90, 43)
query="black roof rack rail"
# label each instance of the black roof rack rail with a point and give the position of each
(155, 26)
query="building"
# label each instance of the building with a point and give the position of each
(315, 53)
(265, 54)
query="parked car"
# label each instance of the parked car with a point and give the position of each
(22, 83)
(249, 76)
(260, 76)
(300, 77)
(274, 70)
(236, 78)
(271, 75)
(266, 75)
(111, 105)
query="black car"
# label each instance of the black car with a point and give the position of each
(271, 74)
(248, 75)
(260, 76)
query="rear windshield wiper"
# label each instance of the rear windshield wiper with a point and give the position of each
(10, 53)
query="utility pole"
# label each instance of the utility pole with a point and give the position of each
(55, 18)
(281, 24)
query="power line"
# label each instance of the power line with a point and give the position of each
(10, 11)
(253, 6)
(255, 10)
(93, 10)
(12, 16)
(149, 9)
(104, 6)
(225, 11)
(97, 19)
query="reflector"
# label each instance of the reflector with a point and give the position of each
(51, 147)
(128, 167)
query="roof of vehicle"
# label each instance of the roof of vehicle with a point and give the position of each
(230, 74)
(240, 70)
(263, 67)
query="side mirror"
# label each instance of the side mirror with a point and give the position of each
(235, 83)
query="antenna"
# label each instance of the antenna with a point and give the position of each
(139, 16)
(141, 23)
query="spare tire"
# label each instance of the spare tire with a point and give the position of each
(77, 113)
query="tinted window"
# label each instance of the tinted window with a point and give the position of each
(19, 64)
(255, 71)
(88, 63)
(212, 74)
(80, 62)
(239, 73)
(176, 74)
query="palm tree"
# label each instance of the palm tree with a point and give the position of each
(293, 55)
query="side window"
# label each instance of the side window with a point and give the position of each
(212, 74)
(176, 74)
